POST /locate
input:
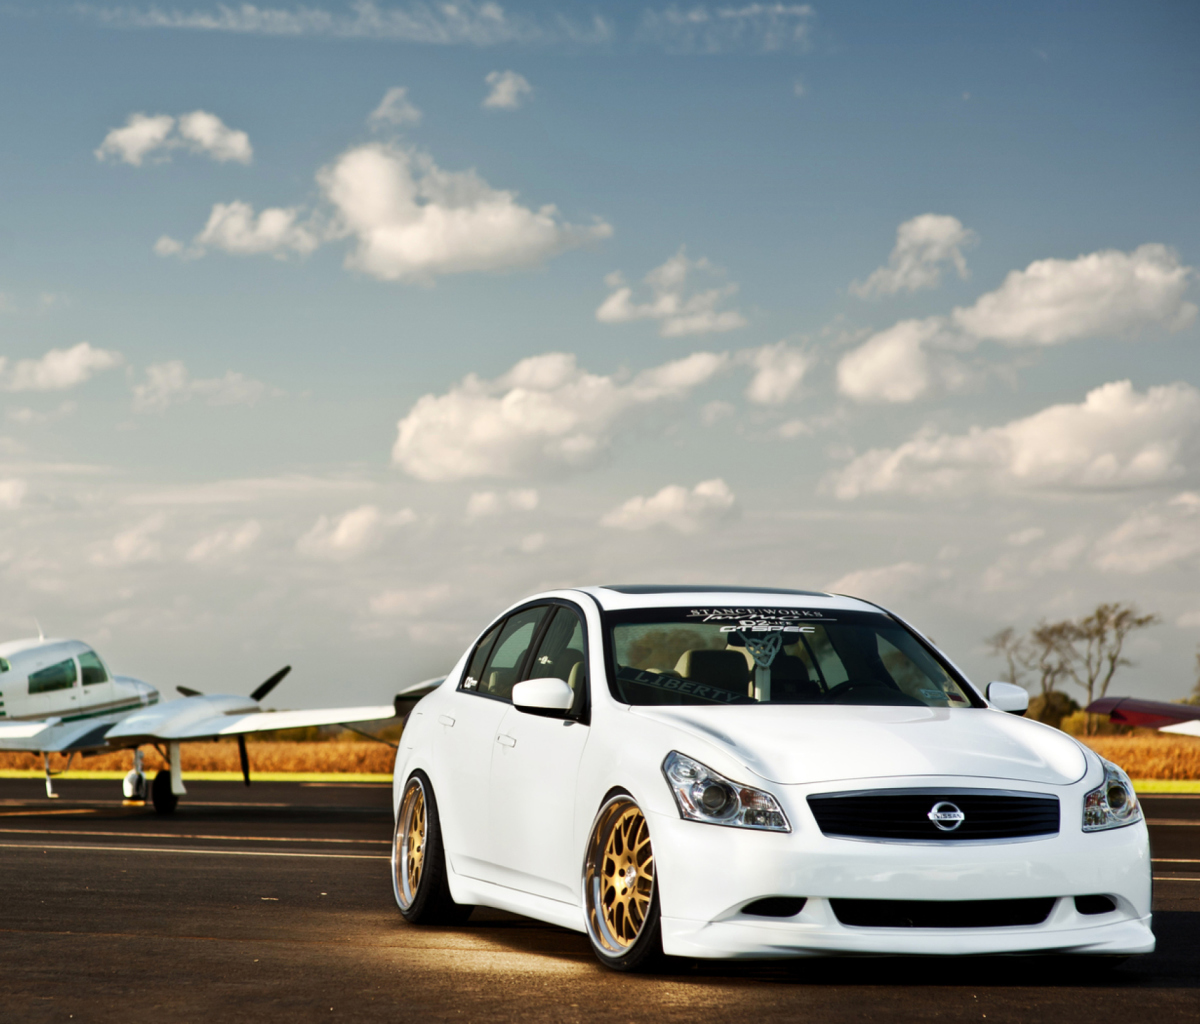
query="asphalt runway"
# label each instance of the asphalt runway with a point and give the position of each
(274, 903)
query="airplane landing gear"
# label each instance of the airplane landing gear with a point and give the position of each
(161, 793)
(136, 786)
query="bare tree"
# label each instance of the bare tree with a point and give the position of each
(1014, 649)
(1051, 653)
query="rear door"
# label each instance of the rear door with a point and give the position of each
(535, 770)
(466, 733)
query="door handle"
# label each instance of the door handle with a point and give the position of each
(445, 720)
(506, 741)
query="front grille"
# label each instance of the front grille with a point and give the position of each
(903, 814)
(942, 913)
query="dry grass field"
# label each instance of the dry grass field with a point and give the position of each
(1143, 756)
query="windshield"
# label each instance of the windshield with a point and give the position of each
(774, 656)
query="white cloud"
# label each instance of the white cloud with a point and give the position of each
(412, 221)
(760, 27)
(703, 507)
(206, 133)
(199, 132)
(412, 602)
(233, 228)
(678, 313)
(924, 245)
(1188, 620)
(58, 369)
(544, 414)
(223, 543)
(1115, 438)
(352, 533)
(168, 246)
(885, 583)
(892, 366)
(462, 23)
(1021, 538)
(170, 383)
(532, 543)
(141, 136)
(1160, 535)
(491, 503)
(508, 90)
(395, 109)
(779, 370)
(12, 492)
(137, 544)
(1102, 293)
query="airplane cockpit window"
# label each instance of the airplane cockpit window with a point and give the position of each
(60, 676)
(92, 669)
(4, 665)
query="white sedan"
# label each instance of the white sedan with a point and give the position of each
(751, 773)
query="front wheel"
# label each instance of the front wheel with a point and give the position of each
(619, 890)
(163, 798)
(419, 859)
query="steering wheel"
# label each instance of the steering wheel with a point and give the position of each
(858, 684)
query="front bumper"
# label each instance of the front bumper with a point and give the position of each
(708, 874)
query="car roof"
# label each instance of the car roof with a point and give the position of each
(619, 597)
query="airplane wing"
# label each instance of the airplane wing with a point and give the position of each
(53, 736)
(263, 721)
(1149, 714)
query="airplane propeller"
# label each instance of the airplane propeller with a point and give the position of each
(187, 691)
(266, 687)
(245, 758)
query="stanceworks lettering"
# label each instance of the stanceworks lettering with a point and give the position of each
(761, 620)
(688, 686)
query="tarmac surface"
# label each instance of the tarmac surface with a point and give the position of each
(274, 903)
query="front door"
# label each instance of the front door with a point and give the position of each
(535, 768)
(466, 733)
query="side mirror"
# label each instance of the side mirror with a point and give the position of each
(1007, 697)
(550, 698)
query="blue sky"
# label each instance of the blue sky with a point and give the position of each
(797, 395)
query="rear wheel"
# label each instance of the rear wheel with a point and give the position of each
(419, 859)
(619, 890)
(160, 793)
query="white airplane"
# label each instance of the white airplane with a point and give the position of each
(58, 696)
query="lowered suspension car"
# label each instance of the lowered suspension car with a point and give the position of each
(728, 772)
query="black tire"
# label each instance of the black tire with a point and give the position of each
(620, 942)
(422, 891)
(160, 793)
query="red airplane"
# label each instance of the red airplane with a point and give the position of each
(1149, 714)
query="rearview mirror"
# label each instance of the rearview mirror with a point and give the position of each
(551, 698)
(1007, 697)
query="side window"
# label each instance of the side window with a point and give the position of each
(53, 677)
(560, 654)
(500, 673)
(91, 669)
(479, 658)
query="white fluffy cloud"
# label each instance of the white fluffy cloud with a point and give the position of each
(491, 503)
(1115, 438)
(58, 369)
(1049, 302)
(544, 414)
(706, 505)
(412, 221)
(352, 533)
(1102, 293)
(779, 370)
(234, 228)
(1161, 535)
(170, 383)
(408, 220)
(924, 245)
(395, 109)
(885, 583)
(679, 313)
(223, 543)
(892, 366)
(508, 90)
(137, 544)
(199, 132)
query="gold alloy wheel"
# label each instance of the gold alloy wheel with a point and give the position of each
(408, 847)
(619, 876)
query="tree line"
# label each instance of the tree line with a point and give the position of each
(1087, 653)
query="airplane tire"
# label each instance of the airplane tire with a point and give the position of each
(160, 793)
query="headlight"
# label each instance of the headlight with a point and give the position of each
(703, 795)
(1113, 803)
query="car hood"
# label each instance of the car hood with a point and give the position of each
(804, 743)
